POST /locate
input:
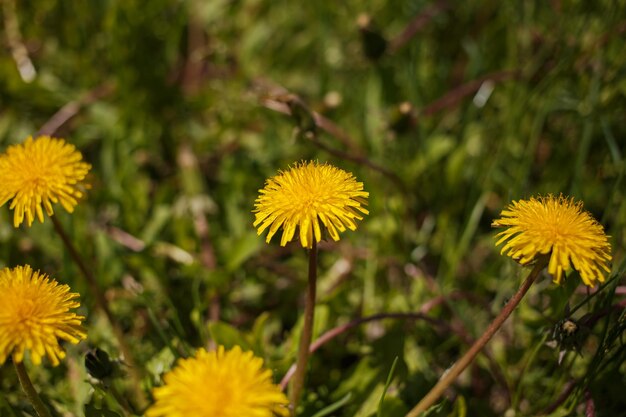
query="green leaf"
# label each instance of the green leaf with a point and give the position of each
(92, 411)
(5, 408)
(161, 362)
(154, 225)
(258, 328)
(227, 335)
(334, 406)
(242, 249)
(389, 377)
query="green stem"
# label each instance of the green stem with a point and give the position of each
(103, 306)
(30, 391)
(449, 377)
(526, 366)
(121, 400)
(307, 331)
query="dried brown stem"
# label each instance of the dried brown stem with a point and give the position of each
(590, 407)
(416, 25)
(459, 329)
(451, 375)
(454, 96)
(102, 305)
(333, 333)
(567, 391)
(280, 104)
(196, 45)
(307, 331)
(71, 109)
(125, 239)
(19, 52)
(361, 161)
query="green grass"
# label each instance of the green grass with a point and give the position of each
(174, 151)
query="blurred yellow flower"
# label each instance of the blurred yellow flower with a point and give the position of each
(305, 194)
(560, 229)
(219, 384)
(41, 172)
(35, 314)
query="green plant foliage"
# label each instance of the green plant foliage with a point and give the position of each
(185, 107)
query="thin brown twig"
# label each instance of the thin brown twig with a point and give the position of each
(334, 332)
(281, 104)
(454, 295)
(196, 45)
(416, 25)
(283, 101)
(421, 315)
(593, 319)
(590, 407)
(361, 161)
(453, 373)
(567, 391)
(621, 290)
(459, 328)
(71, 109)
(102, 305)
(454, 96)
(333, 129)
(600, 43)
(19, 52)
(125, 239)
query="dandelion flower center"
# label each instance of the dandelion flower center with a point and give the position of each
(37, 174)
(35, 314)
(559, 228)
(219, 384)
(305, 194)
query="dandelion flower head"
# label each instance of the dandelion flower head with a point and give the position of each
(305, 194)
(559, 228)
(35, 315)
(38, 173)
(219, 384)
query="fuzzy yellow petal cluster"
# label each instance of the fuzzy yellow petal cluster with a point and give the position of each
(557, 227)
(38, 173)
(219, 384)
(305, 194)
(35, 315)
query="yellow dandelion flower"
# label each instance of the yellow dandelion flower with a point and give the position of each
(35, 314)
(38, 173)
(219, 384)
(560, 229)
(305, 194)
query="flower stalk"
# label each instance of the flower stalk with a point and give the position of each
(309, 198)
(449, 377)
(102, 305)
(30, 390)
(307, 331)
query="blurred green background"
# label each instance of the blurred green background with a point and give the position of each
(445, 110)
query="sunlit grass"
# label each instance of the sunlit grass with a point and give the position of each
(183, 109)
